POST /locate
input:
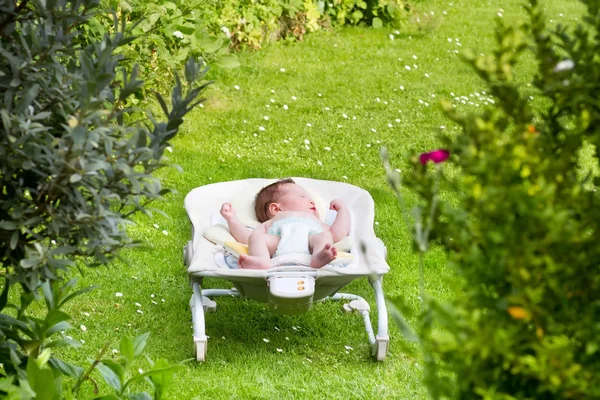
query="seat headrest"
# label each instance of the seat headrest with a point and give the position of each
(243, 202)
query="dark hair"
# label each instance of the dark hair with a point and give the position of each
(266, 196)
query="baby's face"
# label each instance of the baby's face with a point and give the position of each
(295, 198)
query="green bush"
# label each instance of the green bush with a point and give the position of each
(167, 34)
(76, 162)
(253, 23)
(524, 234)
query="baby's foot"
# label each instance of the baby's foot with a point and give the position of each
(323, 257)
(253, 262)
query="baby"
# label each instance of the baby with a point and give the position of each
(287, 214)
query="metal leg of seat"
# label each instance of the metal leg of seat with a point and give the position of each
(379, 343)
(380, 348)
(200, 339)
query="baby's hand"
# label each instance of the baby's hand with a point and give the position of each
(227, 211)
(337, 204)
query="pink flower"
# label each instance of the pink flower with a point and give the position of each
(437, 156)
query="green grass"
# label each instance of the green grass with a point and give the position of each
(357, 72)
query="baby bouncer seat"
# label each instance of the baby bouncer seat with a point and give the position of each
(290, 286)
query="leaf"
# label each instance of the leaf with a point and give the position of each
(67, 369)
(405, 329)
(117, 368)
(14, 240)
(63, 343)
(228, 61)
(8, 225)
(4, 295)
(48, 295)
(75, 178)
(110, 376)
(155, 372)
(55, 317)
(191, 70)
(139, 343)
(377, 23)
(162, 380)
(77, 293)
(127, 350)
(141, 396)
(30, 346)
(210, 44)
(518, 312)
(28, 98)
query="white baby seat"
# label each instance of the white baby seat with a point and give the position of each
(292, 287)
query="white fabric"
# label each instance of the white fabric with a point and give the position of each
(202, 202)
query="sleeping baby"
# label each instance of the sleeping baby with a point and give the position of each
(288, 216)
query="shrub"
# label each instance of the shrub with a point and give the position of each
(254, 23)
(524, 233)
(76, 162)
(167, 34)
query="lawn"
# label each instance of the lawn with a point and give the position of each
(321, 108)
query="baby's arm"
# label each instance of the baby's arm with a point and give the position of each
(341, 226)
(237, 229)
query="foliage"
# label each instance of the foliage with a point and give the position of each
(31, 369)
(77, 163)
(252, 23)
(167, 33)
(524, 235)
(371, 12)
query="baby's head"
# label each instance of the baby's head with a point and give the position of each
(283, 195)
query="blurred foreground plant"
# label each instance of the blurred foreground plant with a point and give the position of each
(524, 233)
(76, 162)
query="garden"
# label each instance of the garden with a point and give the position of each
(110, 118)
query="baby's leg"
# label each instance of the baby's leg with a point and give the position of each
(321, 248)
(261, 246)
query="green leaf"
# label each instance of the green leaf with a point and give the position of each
(141, 396)
(14, 240)
(191, 70)
(31, 347)
(186, 28)
(26, 101)
(110, 376)
(45, 387)
(139, 343)
(377, 23)
(48, 295)
(127, 350)
(71, 370)
(405, 329)
(228, 61)
(75, 178)
(77, 293)
(210, 44)
(4, 295)
(161, 381)
(29, 263)
(117, 368)
(8, 225)
(156, 372)
(63, 343)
